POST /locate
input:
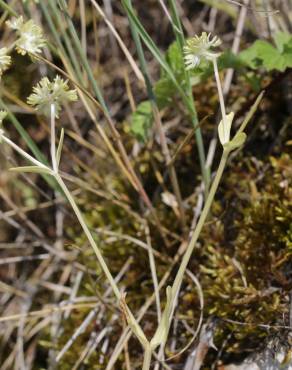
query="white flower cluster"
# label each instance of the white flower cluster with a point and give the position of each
(47, 92)
(198, 48)
(30, 36)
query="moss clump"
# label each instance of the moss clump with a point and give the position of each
(248, 278)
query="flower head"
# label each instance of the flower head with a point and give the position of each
(30, 39)
(198, 48)
(5, 60)
(47, 92)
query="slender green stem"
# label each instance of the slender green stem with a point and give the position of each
(89, 236)
(23, 153)
(219, 88)
(73, 57)
(23, 133)
(8, 8)
(29, 142)
(54, 173)
(186, 258)
(83, 58)
(153, 271)
(147, 358)
(180, 38)
(53, 138)
(250, 113)
(157, 119)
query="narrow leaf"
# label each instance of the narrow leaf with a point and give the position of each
(161, 333)
(34, 169)
(132, 322)
(251, 112)
(151, 45)
(60, 146)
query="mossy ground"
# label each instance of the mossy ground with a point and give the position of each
(242, 259)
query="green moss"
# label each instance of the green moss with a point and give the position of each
(245, 265)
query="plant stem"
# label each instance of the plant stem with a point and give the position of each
(171, 168)
(131, 319)
(72, 59)
(83, 58)
(186, 96)
(220, 91)
(157, 120)
(7, 8)
(147, 358)
(180, 38)
(186, 258)
(53, 138)
(23, 153)
(89, 236)
(153, 271)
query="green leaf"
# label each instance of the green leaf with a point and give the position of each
(165, 89)
(60, 146)
(152, 46)
(174, 58)
(284, 44)
(263, 54)
(32, 169)
(230, 60)
(133, 323)
(283, 40)
(142, 120)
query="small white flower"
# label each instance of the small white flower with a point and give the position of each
(198, 48)
(30, 39)
(5, 60)
(47, 92)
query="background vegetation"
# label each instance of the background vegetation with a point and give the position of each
(136, 166)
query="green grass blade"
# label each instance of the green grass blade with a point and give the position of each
(151, 46)
(84, 60)
(73, 60)
(8, 8)
(180, 38)
(187, 98)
